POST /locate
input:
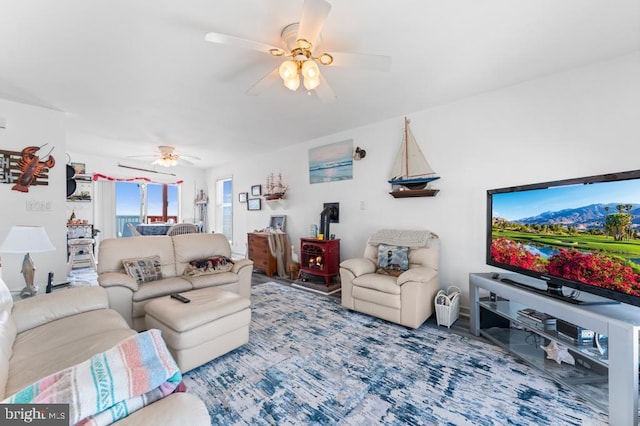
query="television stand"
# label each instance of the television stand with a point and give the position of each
(609, 382)
(558, 294)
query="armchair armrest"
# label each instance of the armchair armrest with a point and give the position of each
(421, 275)
(34, 311)
(115, 279)
(359, 266)
(241, 264)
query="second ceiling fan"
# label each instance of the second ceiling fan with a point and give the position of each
(300, 42)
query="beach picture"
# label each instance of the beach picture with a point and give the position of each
(331, 162)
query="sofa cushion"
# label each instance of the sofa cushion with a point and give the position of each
(382, 283)
(113, 250)
(143, 269)
(211, 265)
(59, 344)
(190, 247)
(392, 260)
(211, 280)
(161, 287)
(7, 334)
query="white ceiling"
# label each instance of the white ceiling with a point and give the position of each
(135, 74)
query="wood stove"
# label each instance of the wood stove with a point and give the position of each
(320, 257)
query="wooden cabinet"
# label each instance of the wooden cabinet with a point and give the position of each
(258, 251)
(320, 257)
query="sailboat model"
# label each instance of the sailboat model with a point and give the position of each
(411, 172)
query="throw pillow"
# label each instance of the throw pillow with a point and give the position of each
(211, 265)
(392, 260)
(143, 269)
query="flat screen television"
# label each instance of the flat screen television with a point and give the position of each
(581, 233)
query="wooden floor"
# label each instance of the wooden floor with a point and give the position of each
(460, 327)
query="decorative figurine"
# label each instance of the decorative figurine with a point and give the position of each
(558, 353)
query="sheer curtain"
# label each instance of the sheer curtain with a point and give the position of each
(105, 209)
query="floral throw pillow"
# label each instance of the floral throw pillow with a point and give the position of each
(211, 265)
(143, 269)
(392, 260)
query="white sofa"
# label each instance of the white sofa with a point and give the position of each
(407, 299)
(44, 334)
(128, 297)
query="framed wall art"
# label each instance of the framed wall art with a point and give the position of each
(242, 197)
(277, 222)
(331, 162)
(254, 204)
(256, 190)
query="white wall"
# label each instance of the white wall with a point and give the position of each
(578, 123)
(27, 126)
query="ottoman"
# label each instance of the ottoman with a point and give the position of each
(212, 324)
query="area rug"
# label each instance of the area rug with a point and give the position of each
(317, 287)
(310, 361)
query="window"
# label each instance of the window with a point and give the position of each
(224, 208)
(144, 202)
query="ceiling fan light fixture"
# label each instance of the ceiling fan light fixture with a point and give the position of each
(170, 161)
(310, 70)
(311, 83)
(288, 70)
(292, 83)
(325, 59)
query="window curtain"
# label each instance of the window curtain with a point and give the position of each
(105, 214)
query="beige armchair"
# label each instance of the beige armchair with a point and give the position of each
(406, 299)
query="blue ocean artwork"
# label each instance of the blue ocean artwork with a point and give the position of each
(331, 162)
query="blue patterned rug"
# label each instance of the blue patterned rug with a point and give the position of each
(309, 361)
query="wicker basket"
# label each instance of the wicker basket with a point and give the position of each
(447, 306)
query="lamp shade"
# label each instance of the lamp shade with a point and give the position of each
(26, 239)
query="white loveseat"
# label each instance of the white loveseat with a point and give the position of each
(406, 299)
(129, 298)
(48, 333)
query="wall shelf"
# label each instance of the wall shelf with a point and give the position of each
(278, 203)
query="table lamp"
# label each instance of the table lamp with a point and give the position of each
(27, 239)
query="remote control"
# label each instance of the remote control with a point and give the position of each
(180, 298)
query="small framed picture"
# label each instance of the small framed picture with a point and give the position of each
(277, 222)
(79, 168)
(256, 190)
(242, 197)
(254, 204)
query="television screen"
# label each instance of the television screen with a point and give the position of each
(582, 233)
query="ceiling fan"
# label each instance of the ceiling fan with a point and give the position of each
(167, 157)
(300, 41)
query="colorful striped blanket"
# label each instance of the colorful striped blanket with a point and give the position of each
(110, 385)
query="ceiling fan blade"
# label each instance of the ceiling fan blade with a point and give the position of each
(239, 42)
(143, 157)
(183, 162)
(362, 61)
(324, 91)
(264, 83)
(314, 13)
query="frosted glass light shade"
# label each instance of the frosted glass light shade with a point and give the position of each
(310, 70)
(311, 83)
(292, 83)
(288, 70)
(26, 239)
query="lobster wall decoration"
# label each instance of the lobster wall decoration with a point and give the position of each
(31, 167)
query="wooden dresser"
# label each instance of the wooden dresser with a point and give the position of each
(258, 247)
